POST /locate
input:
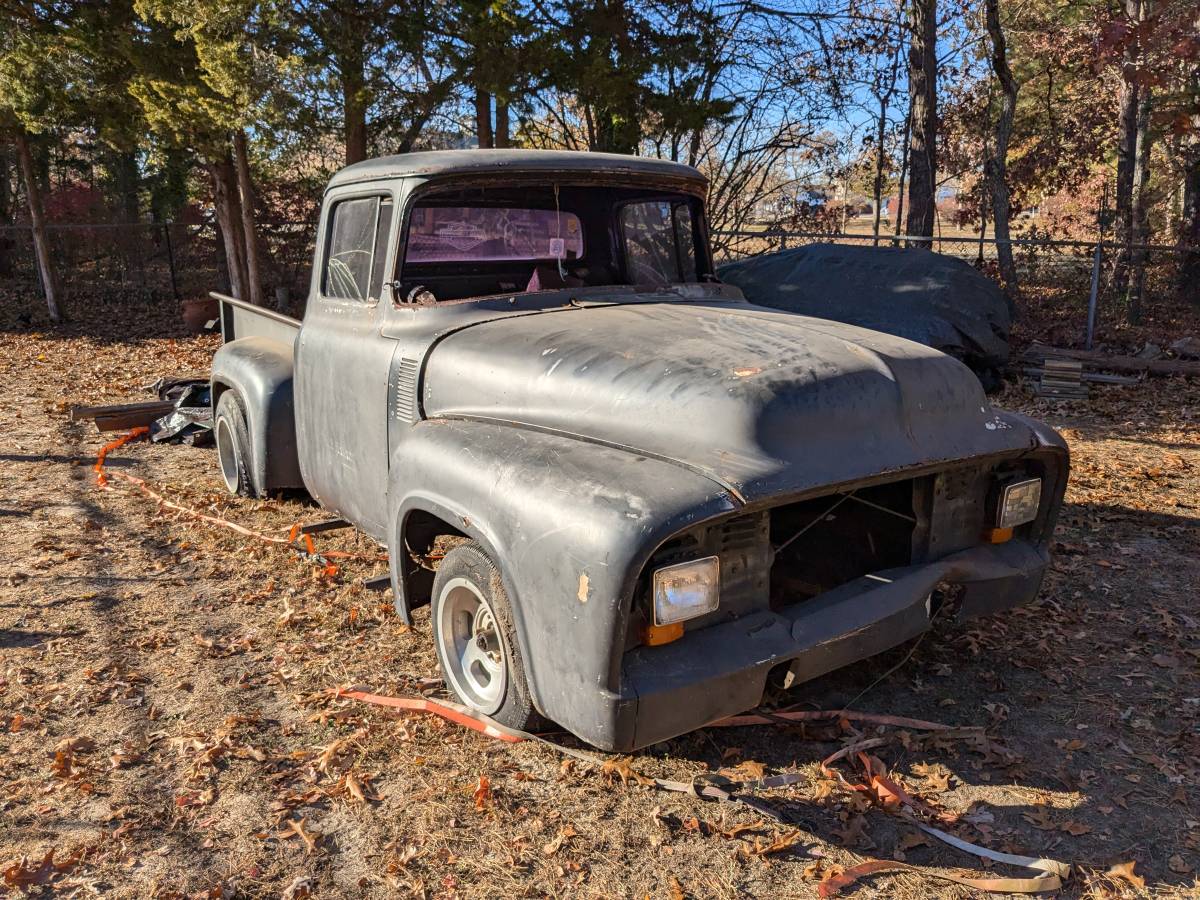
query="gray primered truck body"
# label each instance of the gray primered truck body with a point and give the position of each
(587, 434)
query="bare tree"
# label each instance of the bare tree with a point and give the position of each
(1139, 206)
(227, 202)
(995, 166)
(1127, 125)
(37, 218)
(883, 88)
(1189, 225)
(254, 286)
(922, 114)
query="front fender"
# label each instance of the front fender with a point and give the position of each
(260, 370)
(569, 523)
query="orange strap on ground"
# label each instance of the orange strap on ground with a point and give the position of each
(824, 715)
(124, 439)
(890, 796)
(290, 541)
(1048, 881)
(451, 712)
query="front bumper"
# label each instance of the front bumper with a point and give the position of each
(722, 670)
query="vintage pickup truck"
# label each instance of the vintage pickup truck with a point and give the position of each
(629, 496)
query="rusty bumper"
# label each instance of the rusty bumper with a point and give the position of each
(722, 670)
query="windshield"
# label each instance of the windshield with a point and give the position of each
(491, 239)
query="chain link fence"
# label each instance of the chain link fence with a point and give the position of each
(168, 262)
(156, 262)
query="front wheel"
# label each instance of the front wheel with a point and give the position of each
(474, 638)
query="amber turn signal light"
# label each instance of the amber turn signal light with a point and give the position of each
(657, 635)
(998, 535)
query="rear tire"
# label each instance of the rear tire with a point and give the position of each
(233, 445)
(475, 640)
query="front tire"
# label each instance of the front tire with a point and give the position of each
(475, 640)
(233, 445)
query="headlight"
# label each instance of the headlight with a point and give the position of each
(686, 590)
(1019, 503)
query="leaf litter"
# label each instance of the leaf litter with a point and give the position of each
(160, 627)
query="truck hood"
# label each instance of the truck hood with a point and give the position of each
(764, 402)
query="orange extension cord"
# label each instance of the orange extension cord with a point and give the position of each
(308, 549)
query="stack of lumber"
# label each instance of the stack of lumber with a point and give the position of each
(1062, 378)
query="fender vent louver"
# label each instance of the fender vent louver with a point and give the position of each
(742, 532)
(405, 391)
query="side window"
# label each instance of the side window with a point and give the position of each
(685, 242)
(660, 245)
(357, 249)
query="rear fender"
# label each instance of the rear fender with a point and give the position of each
(260, 371)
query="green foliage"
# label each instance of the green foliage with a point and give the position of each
(637, 68)
(205, 69)
(42, 73)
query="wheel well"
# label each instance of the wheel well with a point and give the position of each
(218, 388)
(426, 538)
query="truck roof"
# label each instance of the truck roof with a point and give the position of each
(478, 162)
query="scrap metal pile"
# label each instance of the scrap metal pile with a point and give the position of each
(182, 413)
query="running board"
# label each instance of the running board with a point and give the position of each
(327, 525)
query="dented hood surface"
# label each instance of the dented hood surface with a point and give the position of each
(765, 403)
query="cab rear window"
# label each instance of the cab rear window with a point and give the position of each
(447, 234)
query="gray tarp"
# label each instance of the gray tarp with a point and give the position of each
(937, 300)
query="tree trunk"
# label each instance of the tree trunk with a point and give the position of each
(902, 182)
(1127, 125)
(254, 289)
(229, 216)
(125, 179)
(996, 164)
(483, 117)
(922, 113)
(502, 124)
(6, 213)
(1189, 229)
(354, 100)
(1138, 206)
(41, 244)
(879, 157)
(1189, 217)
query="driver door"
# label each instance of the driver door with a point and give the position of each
(342, 360)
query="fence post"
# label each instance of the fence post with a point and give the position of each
(171, 258)
(1093, 296)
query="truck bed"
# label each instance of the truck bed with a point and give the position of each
(240, 319)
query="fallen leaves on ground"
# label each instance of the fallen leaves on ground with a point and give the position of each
(199, 665)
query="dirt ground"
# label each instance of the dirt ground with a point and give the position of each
(166, 726)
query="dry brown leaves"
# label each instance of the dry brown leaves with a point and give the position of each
(23, 873)
(622, 768)
(782, 841)
(299, 828)
(565, 834)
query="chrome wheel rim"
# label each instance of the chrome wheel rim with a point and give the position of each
(227, 455)
(470, 646)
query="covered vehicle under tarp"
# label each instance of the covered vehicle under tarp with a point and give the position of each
(936, 300)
